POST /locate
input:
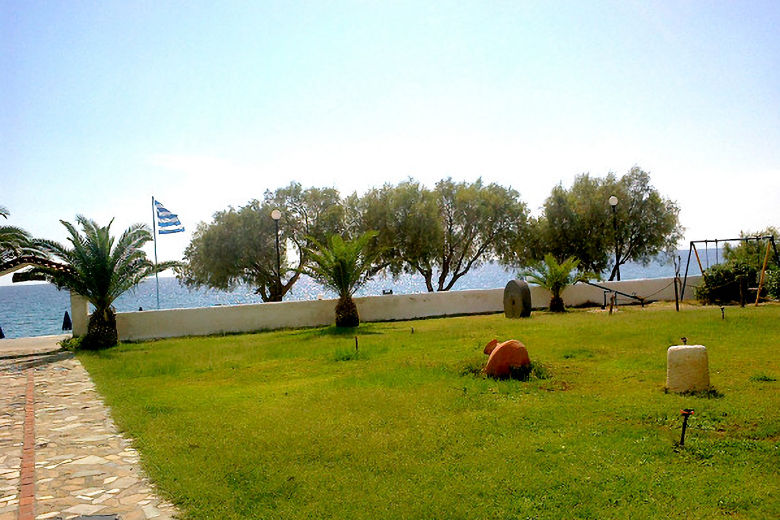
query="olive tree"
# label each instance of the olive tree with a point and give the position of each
(579, 222)
(239, 245)
(647, 224)
(439, 233)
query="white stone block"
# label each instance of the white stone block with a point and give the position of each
(687, 368)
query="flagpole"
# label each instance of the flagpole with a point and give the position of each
(154, 234)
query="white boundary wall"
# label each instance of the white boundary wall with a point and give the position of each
(252, 317)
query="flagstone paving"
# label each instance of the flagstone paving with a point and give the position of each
(83, 465)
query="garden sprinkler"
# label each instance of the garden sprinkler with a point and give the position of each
(356, 345)
(412, 330)
(684, 340)
(687, 412)
(722, 312)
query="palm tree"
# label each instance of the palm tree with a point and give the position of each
(100, 270)
(555, 277)
(343, 266)
(15, 241)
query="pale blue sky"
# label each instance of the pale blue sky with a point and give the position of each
(207, 104)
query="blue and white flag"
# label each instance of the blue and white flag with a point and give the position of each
(167, 222)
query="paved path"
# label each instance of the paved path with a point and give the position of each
(60, 453)
(21, 347)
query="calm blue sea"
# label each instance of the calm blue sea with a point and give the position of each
(37, 310)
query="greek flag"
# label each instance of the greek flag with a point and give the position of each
(167, 222)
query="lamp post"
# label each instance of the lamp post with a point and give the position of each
(613, 201)
(276, 215)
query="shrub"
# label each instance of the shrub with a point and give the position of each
(772, 283)
(72, 344)
(726, 283)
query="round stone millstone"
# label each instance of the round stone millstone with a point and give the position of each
(517, 299)
(687, 368)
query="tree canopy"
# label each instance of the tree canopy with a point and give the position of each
(753, 252)
(555, 277)
(579, 222)
(343, 266)
(15, 241)
(239, 245)
(101, 268)
(440, 233)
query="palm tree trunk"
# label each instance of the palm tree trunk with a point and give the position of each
(347, 313)
(101, 330)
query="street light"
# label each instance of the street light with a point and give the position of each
(276, 215)
(613, 201)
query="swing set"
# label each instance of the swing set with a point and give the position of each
(692, 249)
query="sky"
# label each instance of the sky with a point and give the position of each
(205, 105)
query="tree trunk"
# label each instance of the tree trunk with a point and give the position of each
(101, 330)
(742, 290)
(556, 304)
(347, 313)
(428, 281)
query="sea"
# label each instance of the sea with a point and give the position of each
(38, 309)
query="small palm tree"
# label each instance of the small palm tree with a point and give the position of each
(100, 270)
(555, 277)
(343, 266)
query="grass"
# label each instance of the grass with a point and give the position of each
(294, 424)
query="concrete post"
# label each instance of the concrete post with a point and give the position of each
(687, 368)
(79, 314)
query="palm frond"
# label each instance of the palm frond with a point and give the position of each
(15, 242)
(555, 276)
(101, 268)
(341, 265)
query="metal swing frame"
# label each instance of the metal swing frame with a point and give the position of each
(692, 249)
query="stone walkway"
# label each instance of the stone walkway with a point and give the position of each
(78, 464)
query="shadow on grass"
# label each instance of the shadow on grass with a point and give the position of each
(710, 393)
(762, 378)
(578, 353)
(341, 332)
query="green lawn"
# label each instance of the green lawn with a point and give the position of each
(285, 425)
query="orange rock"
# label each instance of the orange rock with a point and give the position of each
(508, 354)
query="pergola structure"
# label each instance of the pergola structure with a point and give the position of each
(24, 261)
